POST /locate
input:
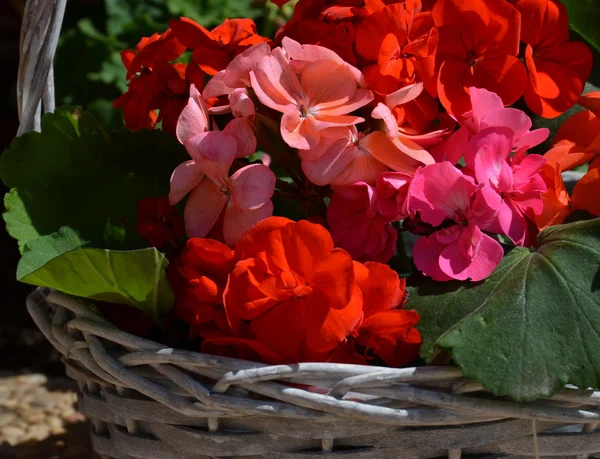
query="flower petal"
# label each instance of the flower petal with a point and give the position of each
(194, 117)
(184, 179)
(214, 153)
(238, 221)
(252, 186)
(202, 209)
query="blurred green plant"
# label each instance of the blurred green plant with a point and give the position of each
(88, 66)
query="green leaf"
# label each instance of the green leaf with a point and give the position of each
(530, 328)
(73, 174)
(136, 278)
(583, 18)
(43, 249)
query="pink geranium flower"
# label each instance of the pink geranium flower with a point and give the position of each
(409, 143)
(245, 197)
(357, 227)
(517, 180)
(345, 156)
(489, 111)
(322, 96)
(442, 194)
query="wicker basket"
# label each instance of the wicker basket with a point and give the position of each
(147, 401)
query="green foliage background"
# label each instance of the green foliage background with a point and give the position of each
(88, 67)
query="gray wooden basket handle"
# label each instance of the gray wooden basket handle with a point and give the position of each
(40, 29)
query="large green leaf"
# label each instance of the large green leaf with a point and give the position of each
(136, 278)
(584, 16)
(530, 328)
(73, 174)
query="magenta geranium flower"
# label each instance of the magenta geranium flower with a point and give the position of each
(443, 196)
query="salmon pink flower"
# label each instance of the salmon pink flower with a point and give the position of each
(245, 197)
(295, 290)
(237, 73)
(345, 156)
(516, 179)
(358, 227)
(322, 97)
(442, 194)
(558, 68)
(406, 141)
(214, 50)
(478, 46)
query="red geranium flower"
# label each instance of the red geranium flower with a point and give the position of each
(387, 330)
(156, 84)
(478, 46)
(158, 222)
(198, 278)
(402, 40)
(558, 68)
(214, 50)
(297, 293)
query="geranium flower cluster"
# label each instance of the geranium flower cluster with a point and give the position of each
(286, 295)
(369, 118)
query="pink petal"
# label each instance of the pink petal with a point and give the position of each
(184, 179)
(361, 98)
(426, 254)
(483, 102)
(532, 139)
(515, 120)
(241, 130)
(404, 95)
(493, 149)
(216, 86)
(238, 221)
(328, 86)
(194, 117)
(322, 121)
(441, 191)
(411, 148)
(214, 153)
(311, 53)
(203, 207)
(497, 139)
(529, 166)
(241, 104)
(252, 186)
(297, 132)
(386, 151)
(275, 83)
(453, 148)
(513, 222)
(341, 136)
(343, 164)
(382, 112)
(475, 256)
(237, 74)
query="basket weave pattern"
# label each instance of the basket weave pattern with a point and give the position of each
(147, 401)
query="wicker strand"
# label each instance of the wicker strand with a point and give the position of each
(40, 29)
(170, 403)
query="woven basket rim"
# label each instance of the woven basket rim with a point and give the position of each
(448, 404)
